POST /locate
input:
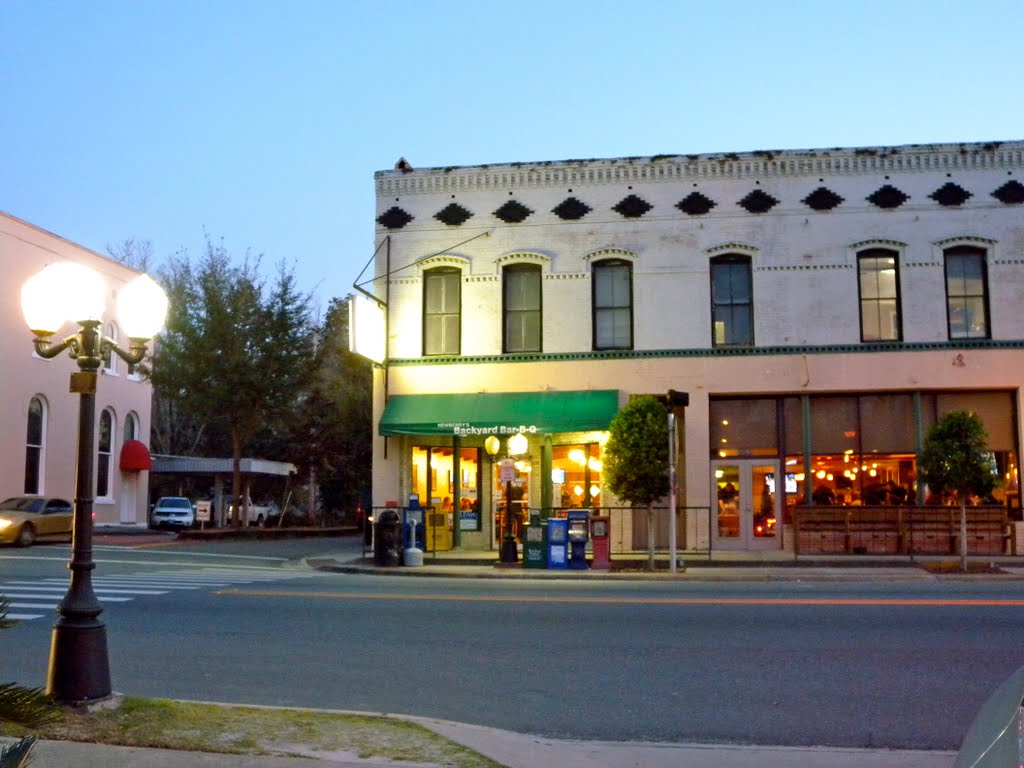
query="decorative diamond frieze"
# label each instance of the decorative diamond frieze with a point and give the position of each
(394, 218)
(571, 209)
(950, 194)
(1011, 193)
(822, 199)
(632, 207)
(758, 201)
(513, 212)
(888, 197)
(695, 204)
(453, 214)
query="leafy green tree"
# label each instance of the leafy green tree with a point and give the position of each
(26, 707)
(636, 458)
(956, 458)
(334, 423)
(235, 354)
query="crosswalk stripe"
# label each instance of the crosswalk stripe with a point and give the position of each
(98, 590)
(27, 595)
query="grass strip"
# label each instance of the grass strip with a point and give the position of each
(167, 724)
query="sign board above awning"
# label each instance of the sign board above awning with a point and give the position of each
(499, 413)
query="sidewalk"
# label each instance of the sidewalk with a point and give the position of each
(691, 566)
(512, 750)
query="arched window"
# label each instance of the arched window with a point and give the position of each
(442, 311)
(732, 301)
(104, 463)
(522, 308)
(967, 293)
(612, 296)
(34, 446)
(131, 426)
(110, 359)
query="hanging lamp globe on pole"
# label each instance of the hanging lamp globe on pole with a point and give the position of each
(79, 668)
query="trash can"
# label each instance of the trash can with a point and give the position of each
(387, 538)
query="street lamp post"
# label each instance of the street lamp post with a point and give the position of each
(79, 670)
(516, 446)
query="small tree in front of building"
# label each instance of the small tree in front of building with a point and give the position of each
(956, 458)
(636, 458)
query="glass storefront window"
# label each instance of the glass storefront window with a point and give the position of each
(744, 427)
(576, 476)
(433, 480)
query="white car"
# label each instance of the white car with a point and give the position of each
(172, 512)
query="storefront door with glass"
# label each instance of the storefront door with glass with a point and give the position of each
(747, 510)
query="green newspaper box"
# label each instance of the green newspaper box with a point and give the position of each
(534, 541)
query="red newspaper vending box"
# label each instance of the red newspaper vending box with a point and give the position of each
(599, 542)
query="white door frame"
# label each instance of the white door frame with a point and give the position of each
(733, 519)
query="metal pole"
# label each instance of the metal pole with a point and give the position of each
(672, 489)
(79, 670)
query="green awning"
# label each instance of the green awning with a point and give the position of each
(499, 413)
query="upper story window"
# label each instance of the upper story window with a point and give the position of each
(522, 308)
(732, 302)
(110, 359)
(612, 287)
(104, 463)
(34, 446)
(878, 279)
(442, 311)
(967, 293)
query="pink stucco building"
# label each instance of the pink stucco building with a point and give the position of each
(38, 414)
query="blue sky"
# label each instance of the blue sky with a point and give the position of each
(262, 123)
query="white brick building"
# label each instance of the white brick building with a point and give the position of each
(822, 308)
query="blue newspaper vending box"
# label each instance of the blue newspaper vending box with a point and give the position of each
(578, 533)
(558, 543)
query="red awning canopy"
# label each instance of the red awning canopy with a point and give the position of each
(135, 456)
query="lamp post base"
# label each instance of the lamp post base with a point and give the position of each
(79, 670)
(509, 552)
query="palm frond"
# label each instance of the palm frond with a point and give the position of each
(5, 606)
(18, 754)
(28, 707)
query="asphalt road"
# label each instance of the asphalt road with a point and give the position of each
(854, 664)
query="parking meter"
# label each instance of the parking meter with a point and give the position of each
(412, 532)
(579, 534)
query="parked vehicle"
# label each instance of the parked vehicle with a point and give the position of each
(250, 513)
(172, 512)
(23, 519)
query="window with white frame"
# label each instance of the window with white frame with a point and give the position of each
(109, 358)
(35, 446)
(442, 311)
(131, 426)
(878, 279)
(522, 308)
(967, 292)
(612, 291)
(104, 456)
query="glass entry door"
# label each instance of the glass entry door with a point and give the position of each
(745, 505)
